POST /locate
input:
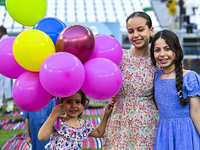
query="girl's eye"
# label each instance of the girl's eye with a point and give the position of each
(68, 102)
(156, 50)
(78, 102)
(130, 31)
(167, 49)
(140, 30)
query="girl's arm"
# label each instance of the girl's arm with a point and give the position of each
(28, 134)
(195, 111)
(100, 129)
(47, 128)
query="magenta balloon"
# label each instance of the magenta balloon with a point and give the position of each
(77, 40)
(107, 47)
(62, 74)
(29, 94)
(9, 66)
(103, 79)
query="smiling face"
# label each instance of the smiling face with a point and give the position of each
(73, 106)
(164, 55)
(139, 32)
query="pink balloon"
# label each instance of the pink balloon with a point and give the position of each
(9, 66)
(103, 79)
(29, 94)
(107, 47)
(62, 74)
(77, 40)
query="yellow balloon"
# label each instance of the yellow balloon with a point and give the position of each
(26, 12)
(31, 47)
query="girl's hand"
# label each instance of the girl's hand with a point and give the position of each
(113, 99)
(28, 140)
(57, 111)
(109, 108)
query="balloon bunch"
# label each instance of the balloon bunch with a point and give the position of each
(85, 62)
(53, 59)
(27, 52)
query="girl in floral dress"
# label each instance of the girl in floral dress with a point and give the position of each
(132, 124)
(73, 130)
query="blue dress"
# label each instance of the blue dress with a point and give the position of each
(176, 130)
(36, 120)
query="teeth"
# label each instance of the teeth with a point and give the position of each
(138, 40)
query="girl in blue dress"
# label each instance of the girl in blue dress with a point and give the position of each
(177, 94)
(73, 130)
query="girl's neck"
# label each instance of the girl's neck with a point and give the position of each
(73, 122)
(140, 53)
(168, 73)
(169, 69)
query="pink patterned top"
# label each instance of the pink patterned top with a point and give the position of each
(133, 122)
(69, 138)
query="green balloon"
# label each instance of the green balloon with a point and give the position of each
(26, 12)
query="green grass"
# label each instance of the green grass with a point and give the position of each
(96, 105)
(5, 135)
(91, 116)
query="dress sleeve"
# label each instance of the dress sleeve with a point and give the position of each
(24, 114)
(121, 65)
(157, 74)
(192, 83)
(89, 126)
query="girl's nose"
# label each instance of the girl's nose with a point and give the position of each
(135, 34)
(73, 104)
(162, 52)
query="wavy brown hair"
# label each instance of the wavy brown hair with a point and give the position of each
(172, 41)
(84, 99)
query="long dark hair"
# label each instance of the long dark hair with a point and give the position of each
(142, 15)
(3, 29)
(172, 41)
(84, 100)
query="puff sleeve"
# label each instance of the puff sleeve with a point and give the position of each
(192, 84)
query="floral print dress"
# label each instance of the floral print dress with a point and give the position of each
(133, 122)
(69, 138)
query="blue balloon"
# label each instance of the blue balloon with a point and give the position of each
(51, 26)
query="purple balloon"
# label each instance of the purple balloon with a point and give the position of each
(62, 74)
(103, 79)
(107, 47)
(28, 93)
(9, 66)
(77, 40)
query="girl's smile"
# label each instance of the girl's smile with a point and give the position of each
(163, 61)
(137, 41)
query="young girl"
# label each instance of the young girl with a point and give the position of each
(73, 130)
(133, 122)
(177, 93)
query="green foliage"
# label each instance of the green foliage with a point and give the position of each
(2, 2)
(147, 9)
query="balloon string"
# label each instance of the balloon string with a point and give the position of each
(58, 119)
